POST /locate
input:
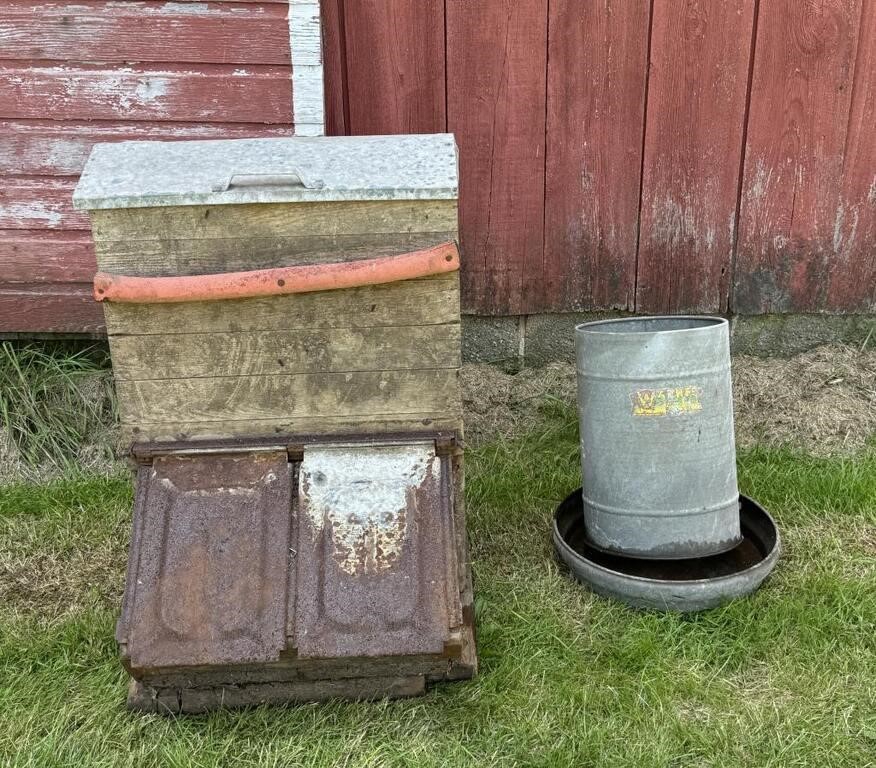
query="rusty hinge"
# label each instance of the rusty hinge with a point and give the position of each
(447, 445)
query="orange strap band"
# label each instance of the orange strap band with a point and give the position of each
(276, 282)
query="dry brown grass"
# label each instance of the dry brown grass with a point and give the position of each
(822, 401)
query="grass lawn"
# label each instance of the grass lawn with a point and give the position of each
(784, 678)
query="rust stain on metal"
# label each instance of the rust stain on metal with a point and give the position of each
(209, 586)
(311, 552)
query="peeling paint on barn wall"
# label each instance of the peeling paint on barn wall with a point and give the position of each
(305, 38)
(78, 72)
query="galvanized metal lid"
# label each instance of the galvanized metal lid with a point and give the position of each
(145, 174)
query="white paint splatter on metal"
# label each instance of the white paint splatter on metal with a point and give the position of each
(362, 493)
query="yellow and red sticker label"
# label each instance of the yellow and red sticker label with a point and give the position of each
(666, 401)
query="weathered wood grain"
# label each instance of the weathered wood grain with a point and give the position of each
(158, 70)
(151, 31)
(374, 424)
(305, 30)
(275, 220)
(496, 73)
(790, 206)
(194, 355)
(334, 60)
(241, 398)
(693, 151)
(52, 148)
(852, 269)
(206, 92)
(397, 57)
(597, 70)
(43, 256)
(428, 301)
(28, 202)
(157, 258)
(66, 308)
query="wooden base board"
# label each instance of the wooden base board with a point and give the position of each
(191, 701)
(202, 690)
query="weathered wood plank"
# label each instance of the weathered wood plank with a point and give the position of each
(275, 220)
(49, 309)
(429, 301)
(305, 30)
(396, 51)
(39, 203)
(852, 270)
(242, 398)
(790, 206)
(187, 355)
(208, 92)
(51, 148)
(496, 73)
(693, 151)
(42, 256)
(150, 31)
(597, 69)
(374, 424)
(159, 258)
(334, 57)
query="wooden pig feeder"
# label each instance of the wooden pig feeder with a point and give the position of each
(283, 318)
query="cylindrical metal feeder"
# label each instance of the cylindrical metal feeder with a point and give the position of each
(657, 448)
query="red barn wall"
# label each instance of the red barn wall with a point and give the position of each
(75, 73)
(650, 155)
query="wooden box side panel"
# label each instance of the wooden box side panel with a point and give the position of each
(374, 359)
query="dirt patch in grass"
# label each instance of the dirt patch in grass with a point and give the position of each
(63, 545)
(56, 583)
(822, 401)
(499, 404)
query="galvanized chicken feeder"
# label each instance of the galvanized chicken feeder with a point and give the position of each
(659, 522)
(657, 450)
(283, 317)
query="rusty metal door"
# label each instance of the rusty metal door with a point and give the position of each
(261, 555)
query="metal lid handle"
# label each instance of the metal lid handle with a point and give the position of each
(294, 178)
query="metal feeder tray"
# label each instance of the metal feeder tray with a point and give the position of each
(670, 585)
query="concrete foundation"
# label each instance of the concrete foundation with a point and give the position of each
(534, 340)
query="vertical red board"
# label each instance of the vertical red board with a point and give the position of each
(597, 70)
(790, 208)
(852, 283)
(700, 54)
(396, 50)
(496, 85)
(334, 62)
